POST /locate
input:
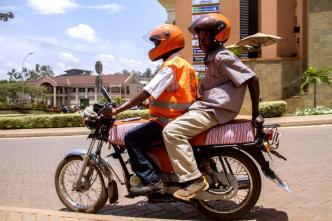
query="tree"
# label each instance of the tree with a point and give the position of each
(147, 73)
(4, 16)
(314, 76)
(34, 74)
(12, 92)
(40, 71)
(125, 72)
(14, 75)
(157, 70)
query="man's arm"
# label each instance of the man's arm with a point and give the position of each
(253, 85)
(154, 88)
(142, 96)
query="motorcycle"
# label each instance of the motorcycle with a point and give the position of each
(226, 156)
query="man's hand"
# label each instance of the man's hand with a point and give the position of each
(259, 119)
(108, 112)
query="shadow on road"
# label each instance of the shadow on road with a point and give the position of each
(259, 213)
(182, 211)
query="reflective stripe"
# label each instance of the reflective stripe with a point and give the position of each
(162, 120)
(168, 105)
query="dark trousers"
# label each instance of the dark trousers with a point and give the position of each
(136, 141)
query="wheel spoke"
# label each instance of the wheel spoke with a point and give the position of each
(241, 196)
(85, 196)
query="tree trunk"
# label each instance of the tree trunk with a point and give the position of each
(315, 100)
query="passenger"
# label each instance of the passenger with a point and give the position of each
(222, 92)
(172, 90)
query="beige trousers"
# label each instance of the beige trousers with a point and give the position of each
(176, 135)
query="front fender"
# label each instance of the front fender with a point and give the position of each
(99, 162)
(103, 166)
(76, 152)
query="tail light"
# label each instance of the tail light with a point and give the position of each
(272, 137)
(269, 134)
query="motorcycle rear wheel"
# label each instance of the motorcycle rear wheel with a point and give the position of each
(89, 199)
(213, 208)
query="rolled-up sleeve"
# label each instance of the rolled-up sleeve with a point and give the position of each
(234, 68)
(160, 82)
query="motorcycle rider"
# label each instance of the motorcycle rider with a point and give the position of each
(222, 93)
(172, 90)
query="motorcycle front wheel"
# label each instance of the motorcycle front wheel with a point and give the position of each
(90, 196)
(247, 176)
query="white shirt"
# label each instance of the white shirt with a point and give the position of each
(165, 78)
(160, 82)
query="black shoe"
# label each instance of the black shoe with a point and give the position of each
(153, 187)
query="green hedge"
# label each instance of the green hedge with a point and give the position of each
(134, 113)
(313, 111)
(57, 120)
(266, 109)
(272, 108)
(29, 106)
(41, 121)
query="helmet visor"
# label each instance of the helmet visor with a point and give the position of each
(156, 38)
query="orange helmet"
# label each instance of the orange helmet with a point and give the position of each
(166, 38)
(218, 24)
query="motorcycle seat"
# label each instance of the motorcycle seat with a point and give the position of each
(235, 132)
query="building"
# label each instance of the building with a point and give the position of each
(284, 18)
(77, 89)
(304, 25)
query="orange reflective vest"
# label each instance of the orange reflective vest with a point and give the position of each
(177, 98)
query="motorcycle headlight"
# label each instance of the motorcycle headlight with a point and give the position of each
(89, 112)
(90, 122)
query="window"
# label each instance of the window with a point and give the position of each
(248, 21)
(91, 89)
(81, 90)
(72, 90)
(115, 90)
(127, 90)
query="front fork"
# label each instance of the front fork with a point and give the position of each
(86, 159)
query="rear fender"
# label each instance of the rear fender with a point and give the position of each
(251, 151)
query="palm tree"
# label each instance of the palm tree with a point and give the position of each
(314, 76)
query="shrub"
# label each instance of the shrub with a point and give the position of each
(58, 120)
(41, 121)
(22, 107)
(272, 108)
(313, 111)
(134, 113)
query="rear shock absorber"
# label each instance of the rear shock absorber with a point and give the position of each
(209, 165)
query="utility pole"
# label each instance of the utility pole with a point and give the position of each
(5, 16)
(23, 73)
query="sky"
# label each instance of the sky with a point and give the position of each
(67, 34)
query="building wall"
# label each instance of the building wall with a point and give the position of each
(320, 46)
(276, 17)
(183, 20)
(273, 75)
(231, 9)
(279, 17)
(320, 33)
(323, 98)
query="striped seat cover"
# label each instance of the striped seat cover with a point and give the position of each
(237, 131)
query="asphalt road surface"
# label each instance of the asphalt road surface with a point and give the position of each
(27, 167)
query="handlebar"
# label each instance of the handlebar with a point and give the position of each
(105, 94)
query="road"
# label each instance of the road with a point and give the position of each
(28, 165)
